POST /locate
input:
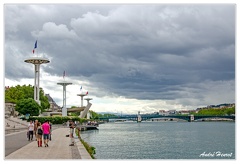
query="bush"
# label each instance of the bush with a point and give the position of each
(57, 119)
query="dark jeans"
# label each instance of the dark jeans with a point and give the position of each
(30, 135)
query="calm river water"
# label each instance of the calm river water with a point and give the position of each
(163, 140)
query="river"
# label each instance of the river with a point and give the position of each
(163, 140)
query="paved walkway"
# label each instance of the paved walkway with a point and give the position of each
(58, 148)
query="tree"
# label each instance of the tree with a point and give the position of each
(14, 94)
(217, 112)
(44, 100)
(28, 106)
(230, 111)
(94, 114)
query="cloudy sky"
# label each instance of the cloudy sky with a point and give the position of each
(139, 57)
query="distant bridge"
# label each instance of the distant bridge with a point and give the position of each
(149, 117)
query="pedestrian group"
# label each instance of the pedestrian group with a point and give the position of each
(41, 132)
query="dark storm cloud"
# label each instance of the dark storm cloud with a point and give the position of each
(140, 51)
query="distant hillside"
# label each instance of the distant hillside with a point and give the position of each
(216, 112)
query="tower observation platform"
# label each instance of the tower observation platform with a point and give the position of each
(64, 84)
(37, 61)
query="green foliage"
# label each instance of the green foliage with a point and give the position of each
(108, 115)
(13, 94)
(229, 111)
(73, 106)
(74, 114)
(97, 116)
(94, 114)
(57, 119)
(217, 112)
(90, 149)
(44, 100)
(28, 106)
(17, 93)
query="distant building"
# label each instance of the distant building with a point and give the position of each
(220, 106)
(172, 112)
(162, 112)
(53, 106)
(186, 112)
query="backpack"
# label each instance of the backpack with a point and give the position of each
(40, 132)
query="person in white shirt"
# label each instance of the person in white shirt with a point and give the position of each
(30, 130)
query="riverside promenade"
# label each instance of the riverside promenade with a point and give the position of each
(58, 148)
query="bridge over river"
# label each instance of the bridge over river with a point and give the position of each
(145, 117)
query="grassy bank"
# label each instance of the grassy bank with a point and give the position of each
(90, 149)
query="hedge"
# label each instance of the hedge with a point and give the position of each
(57, 119)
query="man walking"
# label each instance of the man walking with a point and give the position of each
(30, 130)
(46, 132)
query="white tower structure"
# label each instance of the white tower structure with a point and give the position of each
(88, 113)
(64, 84)
(82, 95)
(86, 109)
(88, 99)
(37, 61)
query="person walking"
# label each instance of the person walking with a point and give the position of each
(35, 128)
(39, 133)
(46, 132)
(30, 130)
(71, 126)
(50, 134)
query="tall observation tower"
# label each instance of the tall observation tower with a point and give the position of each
(37, 61)
(64, 84)
(81, 95)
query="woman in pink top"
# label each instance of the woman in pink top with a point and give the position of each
(46, 132)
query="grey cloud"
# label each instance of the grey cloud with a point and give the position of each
(140, 51)
(51, 30)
